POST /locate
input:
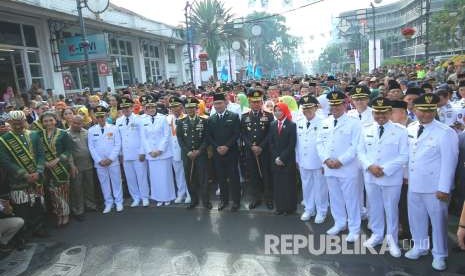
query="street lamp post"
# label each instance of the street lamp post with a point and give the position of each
(427, 11)
(85, 44)
(373, 13)
(189, 40)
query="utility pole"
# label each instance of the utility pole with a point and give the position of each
(85, 43)
(373, 12)
(427, 11)
(189, 40)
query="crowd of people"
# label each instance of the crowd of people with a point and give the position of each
(387, 147)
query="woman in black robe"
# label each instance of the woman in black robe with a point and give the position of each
(283, 138)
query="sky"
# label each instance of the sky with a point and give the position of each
(312, 23)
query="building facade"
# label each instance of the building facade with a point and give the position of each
(138, 49)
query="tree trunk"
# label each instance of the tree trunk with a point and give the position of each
(215, 69)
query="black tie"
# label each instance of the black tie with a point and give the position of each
(420, 130)
(360, 116)
(153, 119)
(255, 114)
(308, 125)
(335, 122)
(221, 116)
(102, 130)
(381, 131)
(127, 120)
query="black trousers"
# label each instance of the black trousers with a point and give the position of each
(33, 216)
(197, 178)
(259, 186)
(227, 175)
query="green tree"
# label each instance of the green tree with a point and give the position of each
(211, 26)
(275, 48)
(445, 23)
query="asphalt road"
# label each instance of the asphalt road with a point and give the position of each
(173, 241)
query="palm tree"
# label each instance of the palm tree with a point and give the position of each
(212, 27)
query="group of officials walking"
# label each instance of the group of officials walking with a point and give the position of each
(339, 158)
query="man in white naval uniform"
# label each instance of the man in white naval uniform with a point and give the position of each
(383, 153)
(105, 146)
(134, 164)
(314, 188)
(433, 154)
(175, 105)
(337, 147)
(156, 142)
(447, 113)
(360, 96)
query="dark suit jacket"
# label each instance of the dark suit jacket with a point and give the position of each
(224, 132)
(283, 145)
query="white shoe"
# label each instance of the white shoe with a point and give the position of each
(335, 230)
(135, 203)
(188, 200)
(439, 264)
(394, 250)
(167, 203)
(159, 204)
(218, 192)
(352, 237)
(119, 207)
(319, 219)
(145, 202)
(179, 199)
(107, 209)
(415, 254)
(306, 216)
(302, 203)
(373, 241)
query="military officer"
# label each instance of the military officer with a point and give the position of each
(360, 96)
(176, 114)
(447, 113)
(223, 132)
(156, 143)
(383, 152)
(191, 135)
(134, 164)
(433, 151)
(337, 141)
(255, 126)
(314, 187)
(104, 146)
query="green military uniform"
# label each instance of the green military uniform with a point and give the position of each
(191, 134)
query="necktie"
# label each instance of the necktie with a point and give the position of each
(411, 115)
(127, 120)
(335, 122)
(381, 131)
(280, 126)
(102, 130)
(360, 116)
(153, 119)
(420, 130)
(308, 124)
(221, 116)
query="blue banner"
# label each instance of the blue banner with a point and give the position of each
(72, 50)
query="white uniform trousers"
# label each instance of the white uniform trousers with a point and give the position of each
(420, 207)
(344, 201)
(110, 183)
(315, 191)
(384, 210)
(161, 180)
(137, 179)
(180, 177)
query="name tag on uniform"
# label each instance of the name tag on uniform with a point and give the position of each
(410, 136)
(325, 127)
(146, 124)
(120, 125)
(96, 134)
(247, 119)
(228, 120)
(370, 136)
(264, 119)
(301, 127)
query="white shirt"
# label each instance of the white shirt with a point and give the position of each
(389, 152)
(130, 132)
(366, 117)
(156, 136)
(106, 145)
(175, 148)
(449, 114)
(233, 107)
(306, 152)
(432, 157)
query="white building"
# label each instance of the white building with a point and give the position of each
(138, 49)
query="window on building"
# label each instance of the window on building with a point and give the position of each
(10, 33)
(122, 62)
(171, 56)
(151, 63)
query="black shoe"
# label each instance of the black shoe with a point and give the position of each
(222, 206)
(79, 217)
(269, 205)
(192, 205)
(208, 206)
(254, 204)
(278, 213)
(235, 207)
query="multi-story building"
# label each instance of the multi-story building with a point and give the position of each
(35, 34)
(356, 27)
